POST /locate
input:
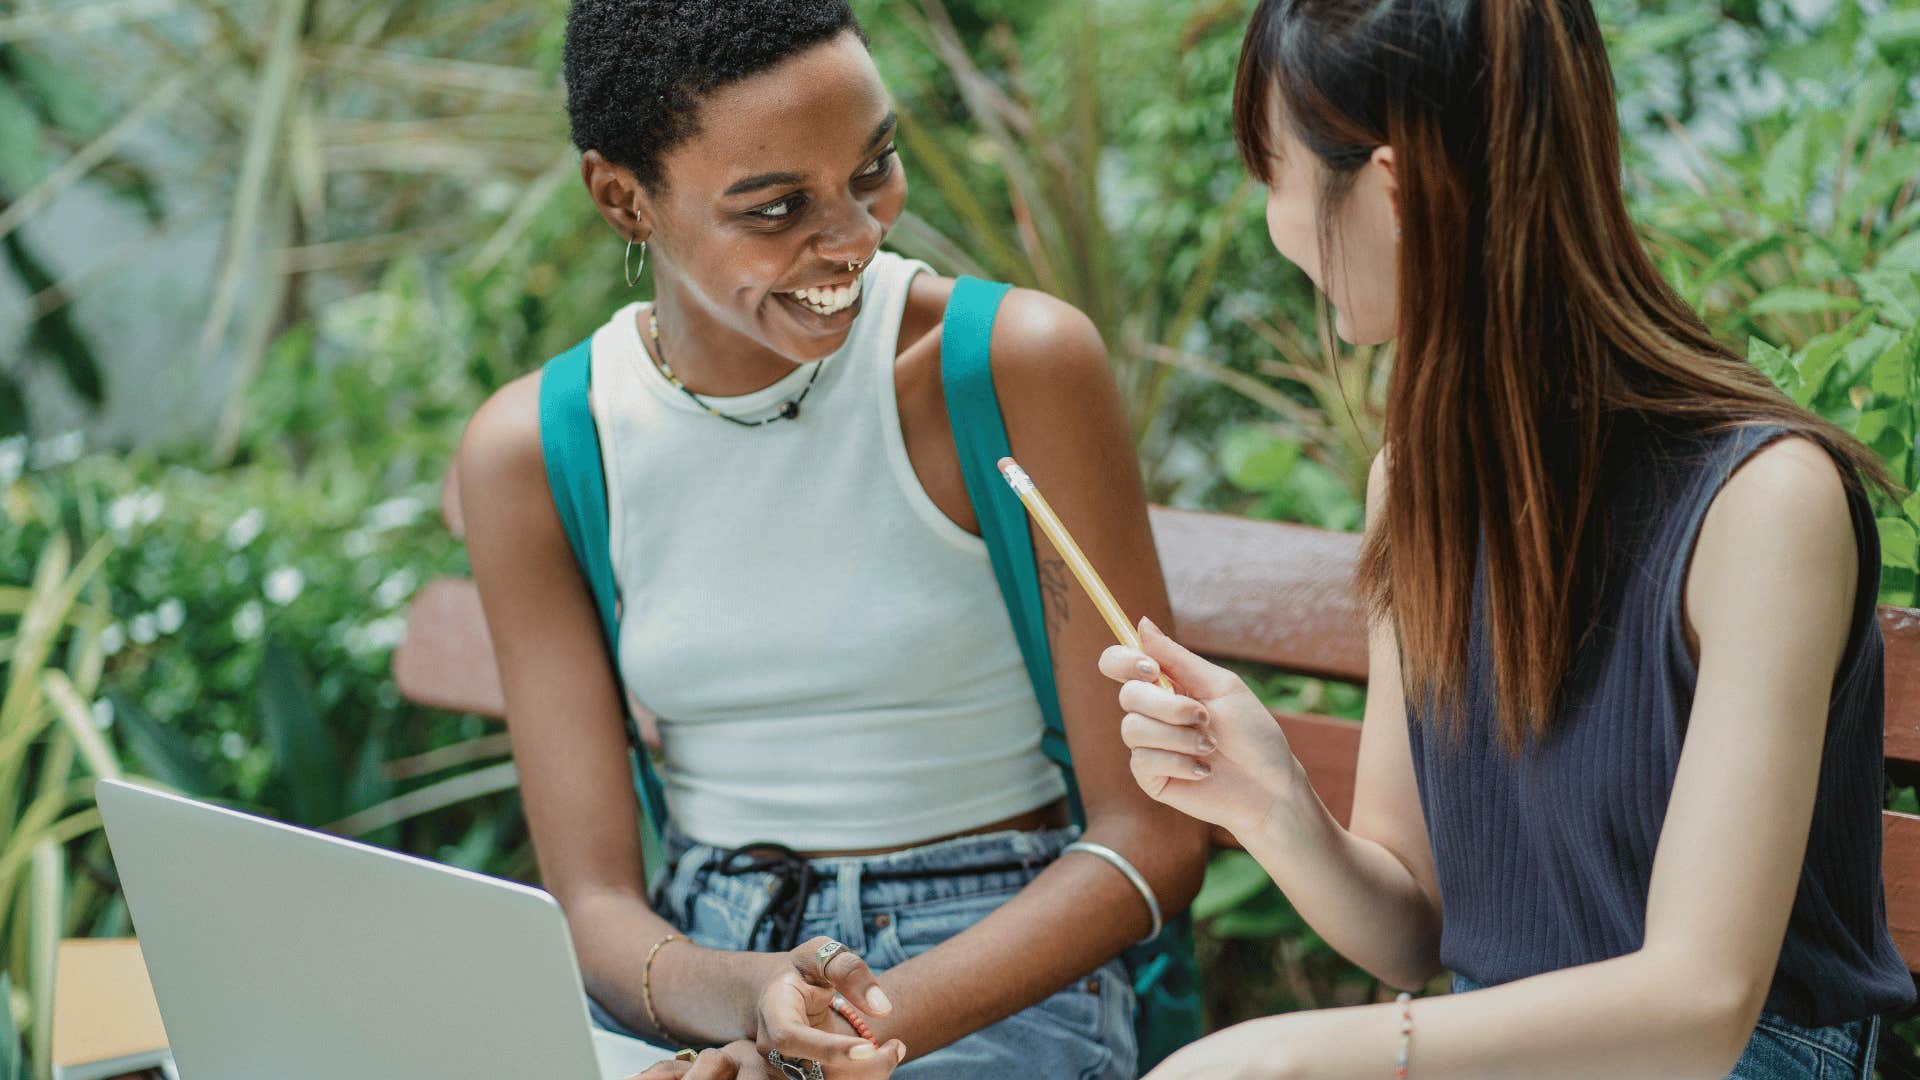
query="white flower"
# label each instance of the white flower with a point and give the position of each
(245, 528)
(232, 746)
(13, 459)
(143, 629)
(394, 513)
(357, 544)
(123, 512)
(396, 588)
(171, 615)
(103, 714)
(58, 450)
(284, 585)
(386, 634)
(249, 621)
(113, 639)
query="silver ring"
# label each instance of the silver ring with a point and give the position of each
(796, 1068)
(825, 955)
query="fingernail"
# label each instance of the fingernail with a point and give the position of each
(1201, 771)
(862, 1052)
(877, 1001)
(1206, 745)
(1146, 668)
(1199, 714)
(1148, 624)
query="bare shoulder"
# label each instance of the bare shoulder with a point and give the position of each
(1042, 346)
(1042, 342)
(500, 454)
(1788, 498)
(1777, 547)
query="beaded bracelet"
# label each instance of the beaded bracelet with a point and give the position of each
(646, 986)
(1406, 1034)
(847, 1012)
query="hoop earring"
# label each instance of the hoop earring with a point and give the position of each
(633, 276)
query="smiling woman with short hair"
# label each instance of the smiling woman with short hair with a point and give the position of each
(848, 740)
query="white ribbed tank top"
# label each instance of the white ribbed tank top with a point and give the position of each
(828, 654)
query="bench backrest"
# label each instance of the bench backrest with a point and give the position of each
(1242, 590)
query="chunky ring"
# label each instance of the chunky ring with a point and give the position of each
(796, 1068)
(825, 954)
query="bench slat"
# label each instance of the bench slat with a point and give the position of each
(1902, 629)
(447, 658)
(1900, 867)
(1264, 592)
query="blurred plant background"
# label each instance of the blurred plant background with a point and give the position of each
(261, 264)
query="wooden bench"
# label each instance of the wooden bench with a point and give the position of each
(1248, 591)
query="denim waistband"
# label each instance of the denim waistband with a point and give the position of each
(779, 887)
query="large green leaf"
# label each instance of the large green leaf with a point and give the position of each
(1774, 363)
(1255, 460)
(1903, 255)
(1798, 300)
(1265, 914)
(305, 759)
(160, 752)
(1233, 878)
(1789, 165)
(1899, 543)
(1895, 294)
(11, 1067)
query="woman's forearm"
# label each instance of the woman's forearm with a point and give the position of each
(1635, 1015)
(1076, 915)
(701, 996)
(1355, 893)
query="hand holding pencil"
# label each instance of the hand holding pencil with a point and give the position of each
(1216, 755)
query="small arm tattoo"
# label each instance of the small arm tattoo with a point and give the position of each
(1055, 583)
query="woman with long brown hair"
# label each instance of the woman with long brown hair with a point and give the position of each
(1621, 766)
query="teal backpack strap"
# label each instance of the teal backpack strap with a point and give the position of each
(980, 436)
(1165, 983)
(570, 442)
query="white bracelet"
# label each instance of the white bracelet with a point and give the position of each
(1119, 862)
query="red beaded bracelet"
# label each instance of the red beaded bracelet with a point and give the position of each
(845, 1008)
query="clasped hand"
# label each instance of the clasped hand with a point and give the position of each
(795, 1017)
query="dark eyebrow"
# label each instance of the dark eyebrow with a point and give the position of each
(764, 180)
(789, 179)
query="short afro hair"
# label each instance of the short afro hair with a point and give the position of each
(636, 70)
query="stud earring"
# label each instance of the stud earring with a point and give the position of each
(633, 276)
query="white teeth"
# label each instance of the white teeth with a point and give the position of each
(829, 301)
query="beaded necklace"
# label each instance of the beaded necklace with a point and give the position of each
(788, 411)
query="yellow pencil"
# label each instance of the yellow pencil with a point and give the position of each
(1063, 542)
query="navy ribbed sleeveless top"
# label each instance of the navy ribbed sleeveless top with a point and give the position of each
(1544, 860)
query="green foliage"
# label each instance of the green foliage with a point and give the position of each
(50, 753)
(1803, 246)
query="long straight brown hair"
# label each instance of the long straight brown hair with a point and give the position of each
(1532, 326)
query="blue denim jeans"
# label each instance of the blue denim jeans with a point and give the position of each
(1783, 1050)
(890, 908)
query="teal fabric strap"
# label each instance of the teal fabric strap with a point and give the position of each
(1169, 1012)
(980, 436)
(570, 442)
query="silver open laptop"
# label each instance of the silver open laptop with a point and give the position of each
(280, 952)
